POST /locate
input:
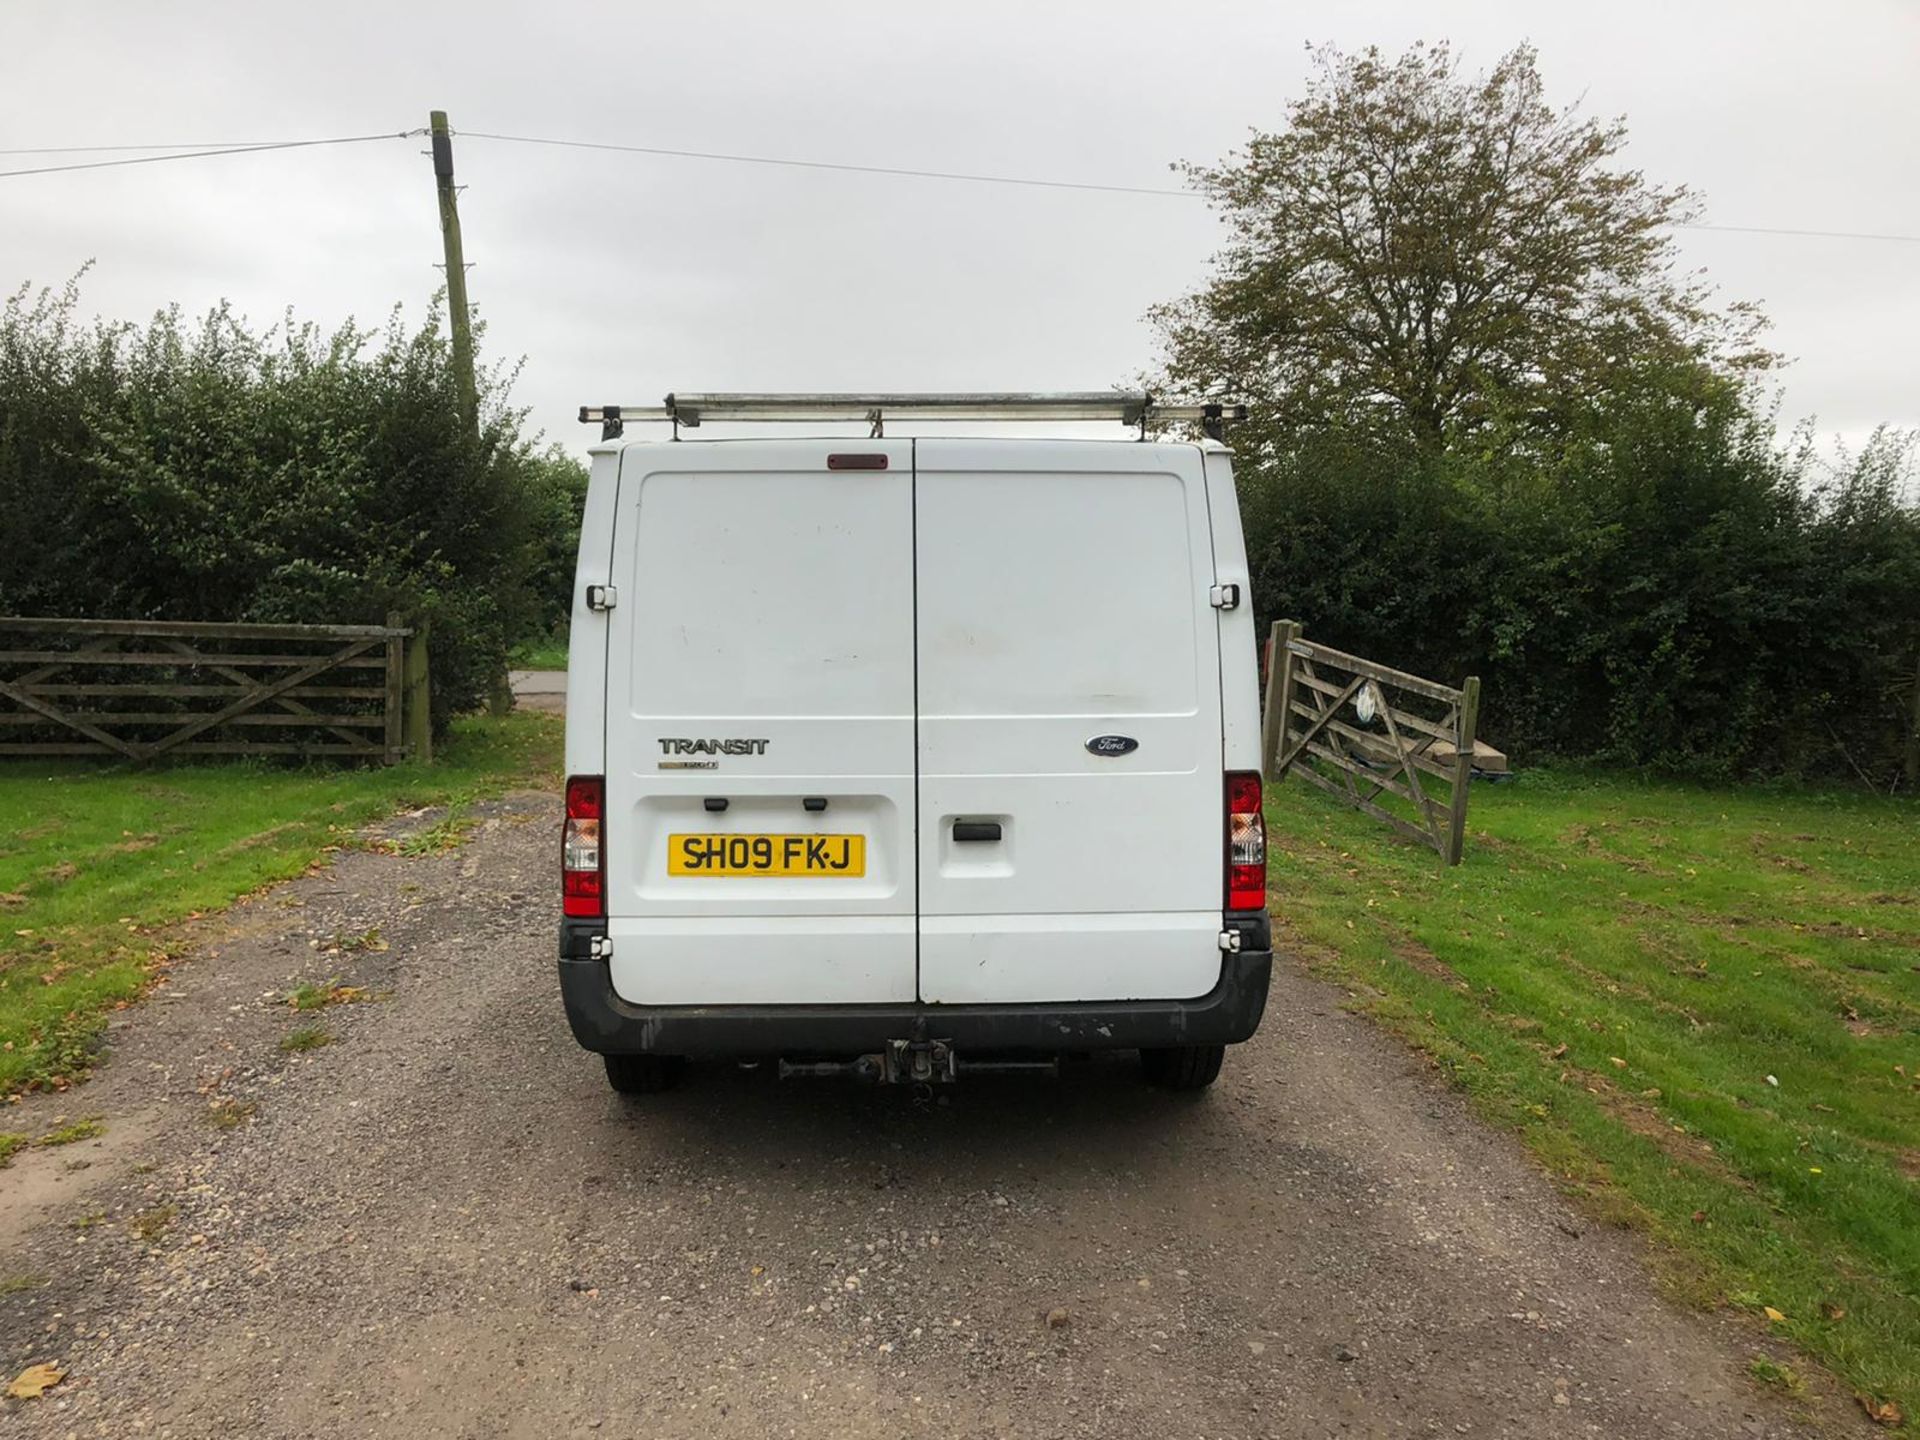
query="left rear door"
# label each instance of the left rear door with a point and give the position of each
(761, 655)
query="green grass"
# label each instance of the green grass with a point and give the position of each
(1781, 1377)
(328, 992)
(97, 864)
(307, 1037)
(443, 835)
(87, 1129)
(548, 654)
(1700, 1009)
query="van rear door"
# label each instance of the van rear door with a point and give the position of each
(1071, 800)
(760, 725)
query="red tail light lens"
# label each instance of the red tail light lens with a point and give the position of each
(1246, 842)
(583, 849)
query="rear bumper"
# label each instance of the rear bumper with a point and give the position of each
(605, 1023)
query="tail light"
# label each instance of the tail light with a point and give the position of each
(583, 855)
(1246, 842)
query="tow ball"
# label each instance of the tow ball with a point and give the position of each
(903, 1062)
(916, 1062)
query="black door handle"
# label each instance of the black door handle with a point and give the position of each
(964, 830)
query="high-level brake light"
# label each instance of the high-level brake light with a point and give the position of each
(1246, 842)
(583, 856)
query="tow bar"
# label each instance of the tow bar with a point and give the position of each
(913, 1062)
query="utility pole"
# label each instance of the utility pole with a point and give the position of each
(459, 319)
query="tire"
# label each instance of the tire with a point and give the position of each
(643, 1074)
(1183, 1067)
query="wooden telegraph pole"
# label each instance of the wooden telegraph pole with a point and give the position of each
(459, 318)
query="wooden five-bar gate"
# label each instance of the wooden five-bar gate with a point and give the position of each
(143, 689)
(1364, 732)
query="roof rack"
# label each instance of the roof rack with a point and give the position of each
(1136, 409)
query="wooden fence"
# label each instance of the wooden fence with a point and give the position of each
(1363, 732)
(141, 689)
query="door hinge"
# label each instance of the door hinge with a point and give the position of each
(1225, 597)
(600, 947)
(602, 597)
(1230, 941)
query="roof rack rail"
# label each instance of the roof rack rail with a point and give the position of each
(1137, 409)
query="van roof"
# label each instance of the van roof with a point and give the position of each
(1046, 442)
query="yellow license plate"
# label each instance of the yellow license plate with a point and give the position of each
(824, 856)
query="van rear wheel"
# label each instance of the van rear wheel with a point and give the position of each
(643, 1074)
(1183, 1067)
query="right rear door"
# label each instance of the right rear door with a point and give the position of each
(1062, 595)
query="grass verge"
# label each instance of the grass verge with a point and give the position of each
(1699, 1008)
(547, 654)
(97, 863)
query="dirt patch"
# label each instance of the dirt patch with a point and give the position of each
(1639, 1115)
(1839, 930)
(1412, 952)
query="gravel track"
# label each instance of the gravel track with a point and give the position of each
(444, 1224)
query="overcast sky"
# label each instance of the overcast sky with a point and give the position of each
(620, 277)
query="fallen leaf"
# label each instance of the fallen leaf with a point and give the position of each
(1881, 1412)
(1833, 1311)
(1557, 1052)
(36, 1380)
(1772, 1314)
(1814, 1170)
(1618, 1063)
(1699, 1217)
(1773, 1081)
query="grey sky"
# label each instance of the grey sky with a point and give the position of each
(621, 277)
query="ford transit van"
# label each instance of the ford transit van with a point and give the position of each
(904, 757)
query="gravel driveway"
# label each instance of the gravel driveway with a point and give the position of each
(444, 1224)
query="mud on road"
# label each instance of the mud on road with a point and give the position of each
(444, 1224)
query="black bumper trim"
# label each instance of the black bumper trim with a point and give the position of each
(605, 1023)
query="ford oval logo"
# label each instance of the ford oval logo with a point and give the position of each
(1113, 745)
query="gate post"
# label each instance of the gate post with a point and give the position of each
(396, 686)
(419, 704)
(1463, 768)
(1275, 720)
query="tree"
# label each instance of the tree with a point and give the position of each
(206, 471)
(1441, 256)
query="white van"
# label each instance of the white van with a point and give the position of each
(903, 758)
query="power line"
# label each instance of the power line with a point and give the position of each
(203, 154)
(183, 145)
(970, 177)
(986, 179)
(830, 165)
(1815, 234)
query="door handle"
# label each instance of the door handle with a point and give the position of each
(965, 830)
